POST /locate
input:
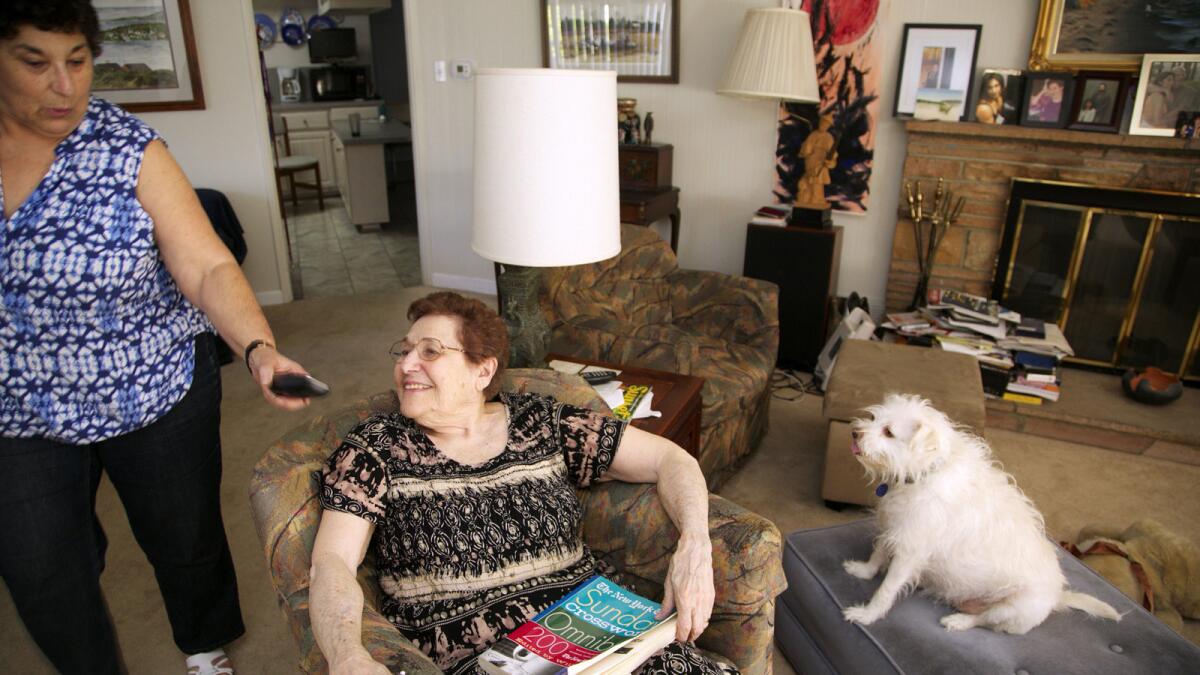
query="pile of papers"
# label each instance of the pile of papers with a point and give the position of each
(629, 402)
(1018, 357)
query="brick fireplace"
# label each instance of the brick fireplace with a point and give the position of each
(978, 161)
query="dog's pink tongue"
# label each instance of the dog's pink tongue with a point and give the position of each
(854, 449)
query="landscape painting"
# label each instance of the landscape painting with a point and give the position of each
(636, 38)
(1111, 35)
(147, 59)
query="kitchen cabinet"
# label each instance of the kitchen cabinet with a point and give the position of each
(360, 6)
(362, 181)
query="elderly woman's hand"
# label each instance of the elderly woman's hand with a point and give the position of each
(689, 586)
(359, 663)
(265, 363)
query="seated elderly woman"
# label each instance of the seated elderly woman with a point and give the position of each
(470, 504)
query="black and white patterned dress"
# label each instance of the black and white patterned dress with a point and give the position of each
(466, 553)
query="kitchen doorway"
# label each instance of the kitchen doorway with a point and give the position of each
(365, 238)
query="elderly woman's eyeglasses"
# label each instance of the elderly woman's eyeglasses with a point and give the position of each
(427, 349)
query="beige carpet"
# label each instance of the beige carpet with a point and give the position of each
(344, 341)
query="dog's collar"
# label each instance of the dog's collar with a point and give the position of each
(883, 487)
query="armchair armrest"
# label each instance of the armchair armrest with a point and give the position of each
(731, 308)
(626, 525)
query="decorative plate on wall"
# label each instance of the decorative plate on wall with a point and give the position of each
(293, 35)
(318, 22)
(265, 29)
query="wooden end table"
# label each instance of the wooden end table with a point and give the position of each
(676, 396)
(643, 207)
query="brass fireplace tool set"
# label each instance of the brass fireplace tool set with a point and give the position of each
(929, 228)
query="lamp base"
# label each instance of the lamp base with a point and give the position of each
(528, 331)
(817, 219)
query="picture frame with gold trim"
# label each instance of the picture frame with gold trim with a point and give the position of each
(1077, 36)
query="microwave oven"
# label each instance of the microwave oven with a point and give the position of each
(338, 83)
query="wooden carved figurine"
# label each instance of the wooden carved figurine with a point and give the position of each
(648, 128)
(819, 157)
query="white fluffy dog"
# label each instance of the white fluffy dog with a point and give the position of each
(952, 522)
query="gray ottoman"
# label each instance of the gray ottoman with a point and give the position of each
(814, 637)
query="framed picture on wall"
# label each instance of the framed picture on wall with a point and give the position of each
(148, 59)
(1168, 84)
(937, 61)
(1099, 101)
(1112, 36)
(999, 96)
(1047, 100)
(637, 38)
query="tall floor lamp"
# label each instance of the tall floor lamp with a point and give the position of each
(545, 187)
(774, 60)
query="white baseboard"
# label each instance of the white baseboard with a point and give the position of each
(271, 298)
(460, 283)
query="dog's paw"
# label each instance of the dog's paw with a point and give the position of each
(860, 614)
(959, 621)
(860, 569)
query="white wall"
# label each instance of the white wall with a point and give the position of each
(225, 145)
(724, 147)
(281, 54)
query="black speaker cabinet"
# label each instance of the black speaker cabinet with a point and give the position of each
(804, 263)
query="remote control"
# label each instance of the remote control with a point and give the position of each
(598, 376)
(296, 385)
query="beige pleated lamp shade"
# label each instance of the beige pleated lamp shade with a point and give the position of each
(546, 185)
(774, 58)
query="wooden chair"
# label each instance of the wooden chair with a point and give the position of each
(289, 165)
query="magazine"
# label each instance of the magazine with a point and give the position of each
(631, 399)
(578, 633)
(971, 305)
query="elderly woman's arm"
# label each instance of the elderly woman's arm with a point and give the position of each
(204, 269)
(335, 598)
(645, 458)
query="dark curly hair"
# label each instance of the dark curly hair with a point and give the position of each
(481, 330)
(58, 16)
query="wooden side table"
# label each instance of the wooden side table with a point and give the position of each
(676, 396)
(641, 207)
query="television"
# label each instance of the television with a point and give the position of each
(332, 45)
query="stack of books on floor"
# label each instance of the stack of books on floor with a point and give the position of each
(771, 215)
(1018, 356)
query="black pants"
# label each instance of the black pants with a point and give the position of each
(168, 476)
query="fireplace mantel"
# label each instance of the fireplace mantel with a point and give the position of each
(1058, 136)
(979, 161)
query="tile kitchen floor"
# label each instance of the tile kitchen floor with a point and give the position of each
(330, 257)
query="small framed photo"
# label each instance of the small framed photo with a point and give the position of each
(937, 70)
(1047, 100)
(1099, 101)
(1187, 124)
(1168, 84)
(999, 95)
(637, 38)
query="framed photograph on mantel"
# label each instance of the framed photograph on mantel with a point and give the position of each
(1168, 84)
(637, 38)
(1047, 101)
(937, 71)
(148, 59)
(1111, 34)
(1099, 101)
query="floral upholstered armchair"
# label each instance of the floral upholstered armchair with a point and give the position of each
(623, 524)
(640, 309)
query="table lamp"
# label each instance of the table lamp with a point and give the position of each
(774, 60)
(545, 186)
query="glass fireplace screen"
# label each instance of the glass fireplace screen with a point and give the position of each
(1118, 270)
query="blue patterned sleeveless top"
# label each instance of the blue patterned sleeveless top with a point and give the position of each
(96, 340)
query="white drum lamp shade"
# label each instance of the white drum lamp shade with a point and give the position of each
(545, 187)
(773, 58)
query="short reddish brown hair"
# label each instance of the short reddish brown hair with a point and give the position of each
(481, 331)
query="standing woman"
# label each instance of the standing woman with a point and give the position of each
(109, 276)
